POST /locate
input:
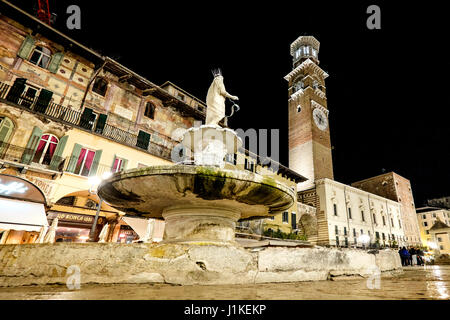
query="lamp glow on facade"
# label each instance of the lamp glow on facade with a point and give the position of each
(364, 238)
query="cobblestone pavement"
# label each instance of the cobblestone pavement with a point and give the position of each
(429, 282)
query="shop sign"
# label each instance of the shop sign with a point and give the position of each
(75, 217)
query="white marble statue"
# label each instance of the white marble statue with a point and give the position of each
(51, 233)
(215, 100)
(103, 234)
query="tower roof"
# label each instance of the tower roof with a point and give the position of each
(305, 40)
(308, 63)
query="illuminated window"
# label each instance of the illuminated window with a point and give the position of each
(41, 57)
(46, 149)
(118, 164)
(84, 162)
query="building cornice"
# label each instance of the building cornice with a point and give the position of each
(315, 105)
(307, 64)
(341, 186)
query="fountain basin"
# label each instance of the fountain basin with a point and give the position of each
(198, 202)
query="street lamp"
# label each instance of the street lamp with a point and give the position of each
(93, 184)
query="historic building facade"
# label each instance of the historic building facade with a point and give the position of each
(342, 213)
(434, 224)
(397, 188)
(69, 114)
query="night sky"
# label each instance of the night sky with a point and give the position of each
(387, 90)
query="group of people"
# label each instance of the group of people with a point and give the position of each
(411, 256)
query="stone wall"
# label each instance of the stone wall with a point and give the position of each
(41, 264)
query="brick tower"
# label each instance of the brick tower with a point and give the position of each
(309, 132)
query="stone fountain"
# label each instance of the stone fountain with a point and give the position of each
(201, 202)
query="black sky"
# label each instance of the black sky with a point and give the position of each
(387, 90)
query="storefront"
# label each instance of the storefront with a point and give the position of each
(22, 211)
(73, 227)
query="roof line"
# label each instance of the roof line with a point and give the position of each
(181, 89)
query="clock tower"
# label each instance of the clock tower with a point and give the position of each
(309, 131)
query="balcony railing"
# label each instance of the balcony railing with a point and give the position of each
(75, 118)
(24, 156)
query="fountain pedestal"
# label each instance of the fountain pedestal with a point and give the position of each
(200, 224)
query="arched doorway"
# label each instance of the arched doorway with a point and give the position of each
(22, 210)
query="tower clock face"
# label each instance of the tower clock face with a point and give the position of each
(320, 119)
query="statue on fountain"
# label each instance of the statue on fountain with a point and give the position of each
(215, 99)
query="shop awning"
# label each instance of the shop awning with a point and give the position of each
(22, 215)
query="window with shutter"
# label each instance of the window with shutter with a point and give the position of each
(55, 62)
(26, 48)
(101, 122)
(73, 160)
(87, 119)
(6, 130)
(43, 101)
(41, 57)
(45, 149)
(119, 164)
(32, 145)
(57, 159)
(16, 90)
(143, 140)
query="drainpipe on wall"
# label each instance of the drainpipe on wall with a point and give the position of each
(389, 221)
(346, 212)
(371, 217)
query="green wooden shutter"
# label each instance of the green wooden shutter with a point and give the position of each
(85, 120)
(124, 164)
(32, 145)
(101, 123)
(57, 156)
(143, 139)
(74, 158)
(95, 163)
(26, 48)
(55, 62)
(16, 90)
(6, 129)
(45, 96)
